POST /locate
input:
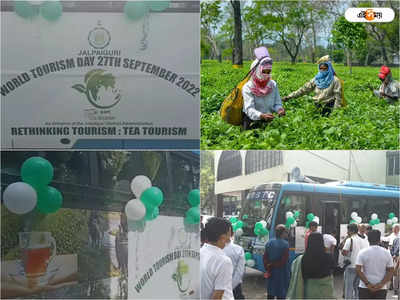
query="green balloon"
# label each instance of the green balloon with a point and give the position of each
(233, 220)
(152, 196)
(352, 221)
(310, 217)
(194, 197)
(377, 221)
(290, 220)
(154, 214)
(239, 224)
(287, 225)
(193, 215)
(257, 230)
(51, 10)
(258, 225)
(372, 222)
(296, 214)
(247, 255)
(391, 215)
(263, 231)
(158, 5)
(25, 10)
(37, 171)
(245, 217)
(134, 10)
(307, 224)
(49, 199)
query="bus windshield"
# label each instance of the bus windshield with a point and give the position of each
(259, 206)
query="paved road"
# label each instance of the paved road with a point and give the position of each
(254, 286)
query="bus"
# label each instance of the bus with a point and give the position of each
(332, 202)
(95, 247)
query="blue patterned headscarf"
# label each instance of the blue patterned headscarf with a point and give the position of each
(324, 79)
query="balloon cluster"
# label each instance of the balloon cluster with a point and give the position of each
(145, 206)
(374, 220)
(260, 229)
(135, 10)
(249, 259)
(291, 219)
(22, 197)
(50, 10)
(355, 218)
(193, 214)
(311, 218)
(237, 226)
(392, 219)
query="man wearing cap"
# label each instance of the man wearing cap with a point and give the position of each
(390, 88)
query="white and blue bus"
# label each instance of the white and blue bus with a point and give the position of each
(332, 202)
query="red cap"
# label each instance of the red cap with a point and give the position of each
(383, 72)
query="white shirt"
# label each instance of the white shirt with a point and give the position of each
(364, 242)
(374, 261)
(358, 244)
(329, 241)
(215, 271)
(236, 254)
(254, 106)
(391, 238)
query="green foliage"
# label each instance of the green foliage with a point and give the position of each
(349, 35)
(366, 123)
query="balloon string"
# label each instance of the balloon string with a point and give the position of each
(145, 32)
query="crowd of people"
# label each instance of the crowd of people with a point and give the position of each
(370, 263)
(261, 98)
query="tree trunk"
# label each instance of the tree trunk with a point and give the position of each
(237, 40)
(349, 57)
(314, 46)
(384, 54)
(216, 50)
(292, 59)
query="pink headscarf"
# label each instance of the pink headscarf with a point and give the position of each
(260, 80)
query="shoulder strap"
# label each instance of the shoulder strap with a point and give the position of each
(351, 244)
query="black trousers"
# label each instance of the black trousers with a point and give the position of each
(325, 109)
(248, 123)
(237, 292)
(367, 294)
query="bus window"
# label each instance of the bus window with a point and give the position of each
(293, 202)
(382, 207)
(356, 204)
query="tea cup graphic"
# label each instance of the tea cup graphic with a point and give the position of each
(38, 250)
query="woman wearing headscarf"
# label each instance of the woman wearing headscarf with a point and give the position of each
(276, 263)
(260, 94)
(390, 88)
(326, 86)
(312, 272)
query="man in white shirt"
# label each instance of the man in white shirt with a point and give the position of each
(350, 250)
(330, 242)
(215, 267)
(236, 254)
(375, 267)
(362, 233)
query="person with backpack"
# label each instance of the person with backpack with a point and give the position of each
(328, 88)
(260, 94)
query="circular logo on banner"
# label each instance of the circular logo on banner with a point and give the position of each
(99, 38)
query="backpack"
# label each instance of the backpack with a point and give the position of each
(232, 107)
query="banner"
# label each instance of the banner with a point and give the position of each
(100, 80)
(164, 261)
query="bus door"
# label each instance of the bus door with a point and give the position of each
(331, 222)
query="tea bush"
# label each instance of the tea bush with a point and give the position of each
(366, 123)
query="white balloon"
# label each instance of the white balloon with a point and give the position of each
(389, 222)
(374, 216)
(250, 263)
(395, 220)
(353, 215)
(135, 210)
(139, 184)
(289, 214)
(20, 198)
(239, 232)
(264, 223)
(358, 219)
(316, 219)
